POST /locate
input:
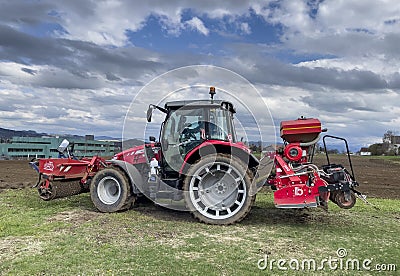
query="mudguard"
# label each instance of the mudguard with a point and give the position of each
(135, 177)
(216, 146)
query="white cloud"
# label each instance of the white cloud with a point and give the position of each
(369, 15)
(245, 28)
(106, 22)
(376, 64)
(30, 102)
(336, 17)
(294, 15)
(196, 24)
(341, 28)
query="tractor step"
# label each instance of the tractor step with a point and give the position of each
(164, 189)
(174, 195)
(172, 182)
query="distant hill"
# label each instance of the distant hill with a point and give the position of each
(6, 134)
(9, 133)
(107, 138)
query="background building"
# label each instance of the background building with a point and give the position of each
(395, 144)
(43, 147)
(365, 152)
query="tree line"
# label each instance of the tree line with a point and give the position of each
(389, 146)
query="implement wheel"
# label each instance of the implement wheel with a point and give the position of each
(46, 191)
(110, 191)
(49, 190)
(217, 189)
(345, 202)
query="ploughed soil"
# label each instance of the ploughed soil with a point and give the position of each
(377, 177)
(16, 174)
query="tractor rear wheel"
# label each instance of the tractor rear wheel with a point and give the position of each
(217, 189)
(110, 191)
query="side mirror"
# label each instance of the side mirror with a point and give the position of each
(152, 139)
(149, 113)
(63, 146)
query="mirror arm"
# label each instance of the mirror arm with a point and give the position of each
(159, 108)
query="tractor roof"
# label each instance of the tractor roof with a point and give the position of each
(199, 104)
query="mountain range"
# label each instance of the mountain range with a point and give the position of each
(9, 133)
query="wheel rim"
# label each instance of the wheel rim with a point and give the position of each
(109, 190)
(46, 193)
(340, 199)
(217, 191)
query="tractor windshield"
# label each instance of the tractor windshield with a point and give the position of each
(187, 125)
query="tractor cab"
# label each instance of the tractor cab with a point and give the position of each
(188, 124)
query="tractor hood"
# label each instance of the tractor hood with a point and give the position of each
(135, 155)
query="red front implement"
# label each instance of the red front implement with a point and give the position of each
(299, 183)
(60, 177)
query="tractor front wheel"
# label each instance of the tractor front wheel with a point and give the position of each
(217, 189)
(110, 191)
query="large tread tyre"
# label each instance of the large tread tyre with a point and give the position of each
(110, 191)
(217, 189)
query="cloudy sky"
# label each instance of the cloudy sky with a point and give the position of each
(75, 66)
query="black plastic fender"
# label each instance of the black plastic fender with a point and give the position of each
(134, 175)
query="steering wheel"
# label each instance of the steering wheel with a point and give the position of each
(188, 132)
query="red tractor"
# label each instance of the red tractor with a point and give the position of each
(199, 162)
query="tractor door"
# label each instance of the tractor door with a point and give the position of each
(184, 129)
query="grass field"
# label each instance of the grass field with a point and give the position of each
(67, 236)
